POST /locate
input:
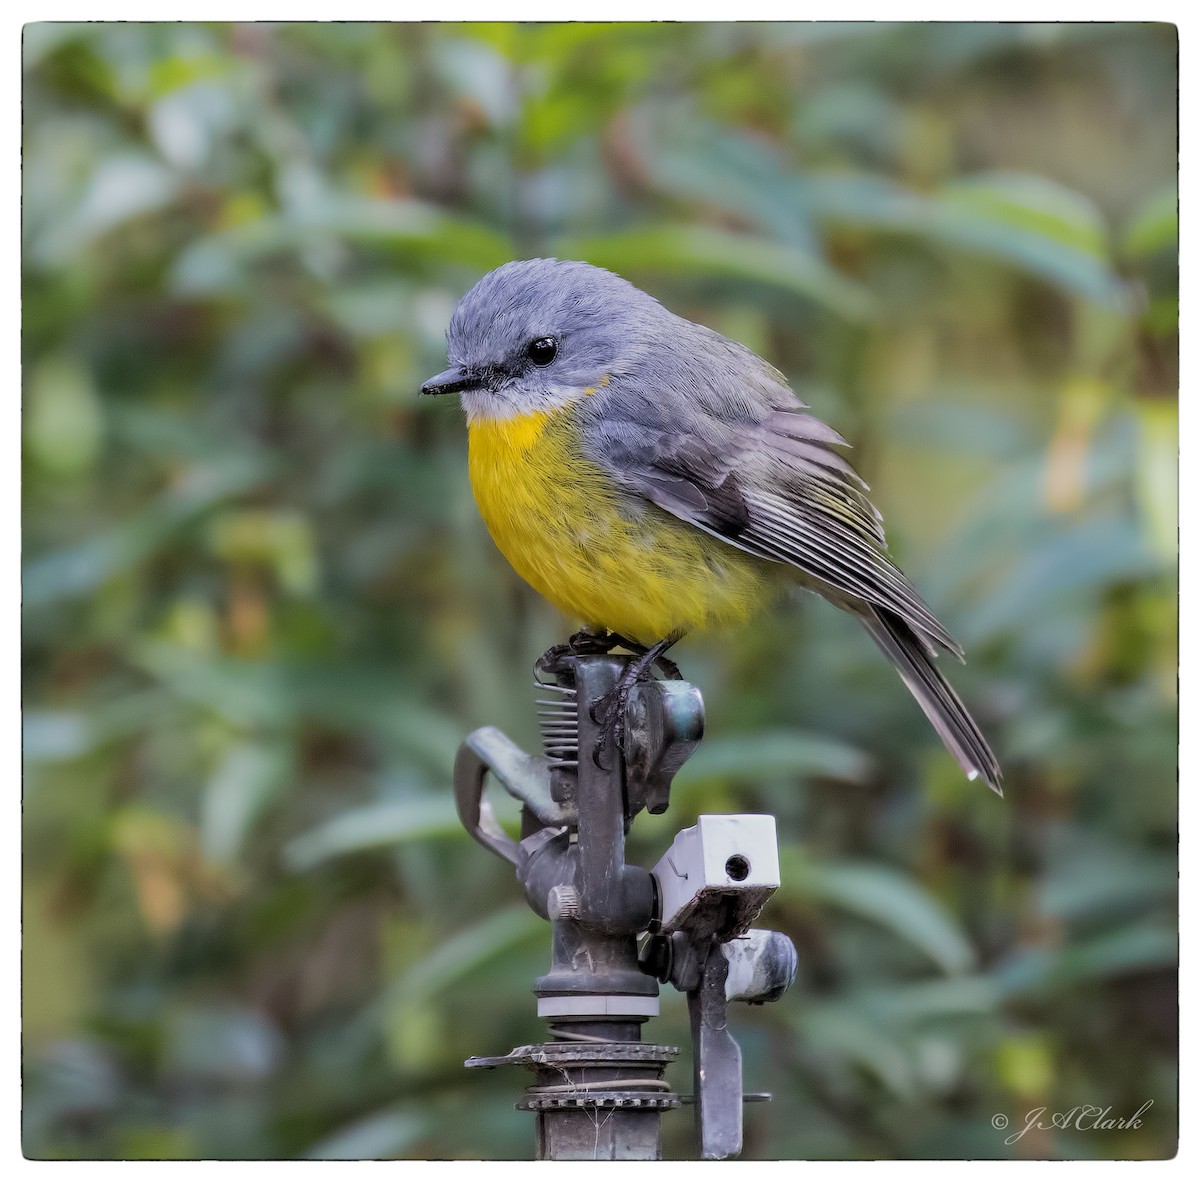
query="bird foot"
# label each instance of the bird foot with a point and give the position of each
(585, 642)
(668, 668)
(608, 711)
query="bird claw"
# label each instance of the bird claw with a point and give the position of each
(551, 660)
(585, 642)
(669, 669)
(581, 643)
(608, 712)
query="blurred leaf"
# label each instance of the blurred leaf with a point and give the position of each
(1135, 948)
(447, 238)
(223, 1043)
(1106, 882)
(1158, 475)
(41, 38)
(1077, 560)
(1023, 222)
(832, 1028)
(949, 424)
(219, 262)
(702, 251)
(121, 188)
(1026, 1066)
(53, 734)
(72, 1080)
(772, 754)
(1034, 204)
(280, 540)
(936, 1000)
(176, 72)
(466, 954)
(374, 827)
(853, 113)
(64, 422)
(883, 896)
(267, 693)
(384, 1135)
(78, 570)
(245, 782)
(1155, 226)
(696, 158)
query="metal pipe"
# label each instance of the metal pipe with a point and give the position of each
(613, 897)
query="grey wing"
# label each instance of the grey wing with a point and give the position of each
(774, 487)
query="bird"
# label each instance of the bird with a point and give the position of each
(651, 477)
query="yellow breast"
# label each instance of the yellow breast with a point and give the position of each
(561, 524)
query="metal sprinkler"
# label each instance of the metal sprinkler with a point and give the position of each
(619, 930)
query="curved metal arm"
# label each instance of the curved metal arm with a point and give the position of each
(476, 814)
(525, 777)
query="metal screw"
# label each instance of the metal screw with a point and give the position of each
(562, 902)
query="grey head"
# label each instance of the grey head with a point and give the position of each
(538, 334)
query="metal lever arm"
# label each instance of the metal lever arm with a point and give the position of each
(717, 1063)
(523, 776)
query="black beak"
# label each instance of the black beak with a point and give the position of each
(450, 382)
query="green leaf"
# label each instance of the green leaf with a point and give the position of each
(1136, 948)
(705, 252)
(1157, 475)
(467, 953)
(51, 735)
(245, 782)
(883, 896)
(122, 188)
(936, 1000)
(372, 827)
(771, 755)
(1079, 560)
(841, 1030)
(698, 159)
(64, 423)
(1022, 201)
(374, 1138)
(1155, 226)
(351, 695)
(413, 224)
(220, 262)
(956, 423)
(225, 1042)
(1046, 232)
(39, 39)
(81, 569)
(1106, 881)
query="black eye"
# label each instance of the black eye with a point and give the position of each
(542, 351)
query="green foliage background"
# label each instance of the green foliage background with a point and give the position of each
(260, 610)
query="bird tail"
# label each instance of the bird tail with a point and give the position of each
(943, 707)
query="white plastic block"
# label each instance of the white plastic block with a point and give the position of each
(718, 874)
